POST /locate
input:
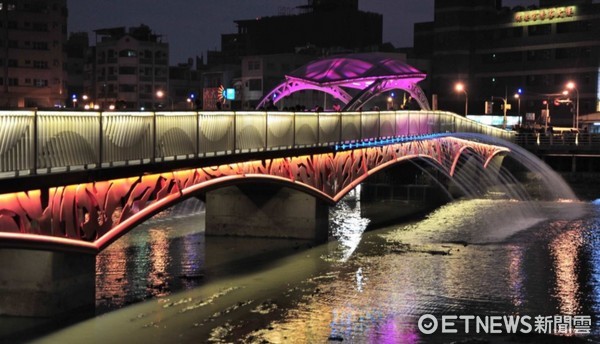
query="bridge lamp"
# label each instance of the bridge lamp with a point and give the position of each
(518, 98)
(571, 86)
(460, 87)
(160, 94)
(190, 101)
(390, 101)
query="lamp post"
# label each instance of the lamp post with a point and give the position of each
(571, 86)
(160, 94)
(461, 88)
(505, 108)
(518, 98)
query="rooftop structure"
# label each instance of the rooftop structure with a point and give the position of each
(323, 24)
(353, 79)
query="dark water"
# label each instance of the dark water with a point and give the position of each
(480, 257)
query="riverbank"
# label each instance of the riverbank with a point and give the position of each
(584, 184)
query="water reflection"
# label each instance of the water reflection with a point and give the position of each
(516, 275)
(565, 249)
(465, 258)
(153, 258)
(347, 225)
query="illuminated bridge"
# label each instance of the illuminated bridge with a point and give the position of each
(73, 182)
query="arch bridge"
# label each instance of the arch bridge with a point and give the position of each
(73, 182)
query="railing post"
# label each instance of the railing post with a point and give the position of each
(379, 125)
(266, 129)
(341, 129)
(35, 141)
(294, 130)
(319, 129)
(100, 139)
(360, 126)
(154, 136)
(234, 131)
(197, 134)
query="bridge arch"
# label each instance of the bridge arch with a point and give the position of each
(136, 219)
(195, 190)
(89, 216)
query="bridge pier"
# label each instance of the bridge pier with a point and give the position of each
(401, 192)
(45, 284)
(266, 210)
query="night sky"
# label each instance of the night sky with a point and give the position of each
(191, 27)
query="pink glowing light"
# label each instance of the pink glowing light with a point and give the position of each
(372, 72)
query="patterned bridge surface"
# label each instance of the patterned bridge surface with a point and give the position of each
(87, 217)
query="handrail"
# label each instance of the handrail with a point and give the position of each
(41, 142)
(558, 140)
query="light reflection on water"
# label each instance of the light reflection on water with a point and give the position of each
(161, 255)
(468, 257)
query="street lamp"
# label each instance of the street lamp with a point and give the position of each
(571, 86)
(461, 88)
(160, 94)
(518, 98)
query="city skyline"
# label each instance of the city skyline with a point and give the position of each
(193, 28)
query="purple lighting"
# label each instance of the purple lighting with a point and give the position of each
(370, 73)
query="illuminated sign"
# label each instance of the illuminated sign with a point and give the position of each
(226, 93)
(544, 15)
(229, 93)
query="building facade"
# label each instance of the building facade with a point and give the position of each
(326, 25)
(127, 69)
(185, 85)
(32, 53)
(497, 51)
(262, 73)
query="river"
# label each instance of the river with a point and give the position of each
(166, 283)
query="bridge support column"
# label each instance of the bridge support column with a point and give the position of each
(46, 284)
(266, 211)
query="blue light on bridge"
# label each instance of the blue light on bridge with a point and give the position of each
(384, 142)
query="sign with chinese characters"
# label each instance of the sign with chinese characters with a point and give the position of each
(545, 15)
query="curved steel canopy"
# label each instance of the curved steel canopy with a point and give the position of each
(369, 73)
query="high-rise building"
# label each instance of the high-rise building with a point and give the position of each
(496, 51)
(32, 53)
(128, 69)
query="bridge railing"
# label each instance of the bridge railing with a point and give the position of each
(39, 142)
(558, 141)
